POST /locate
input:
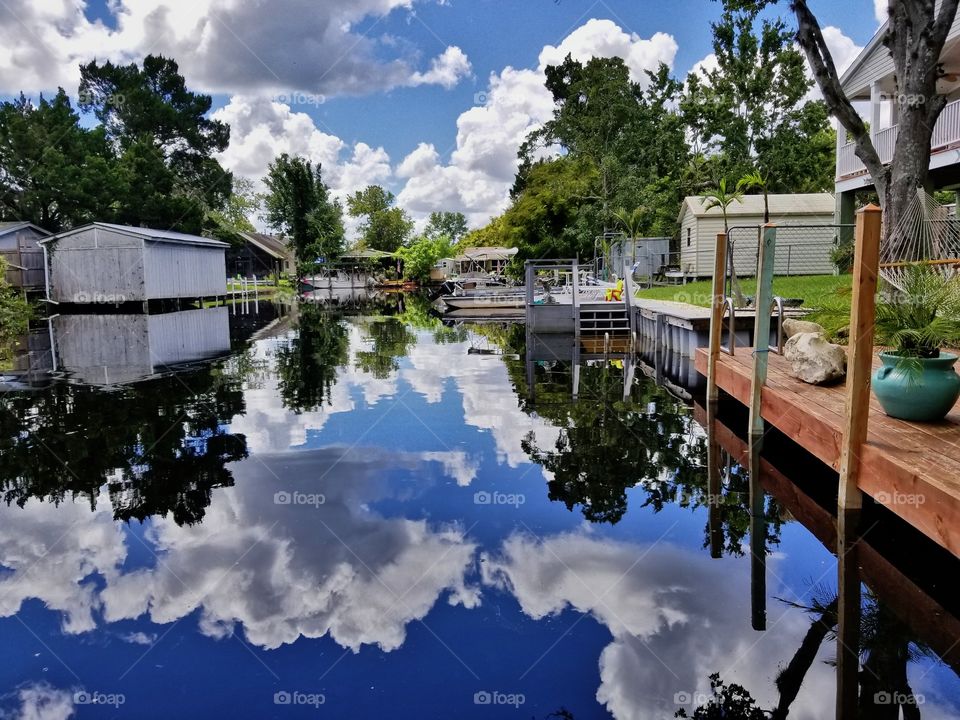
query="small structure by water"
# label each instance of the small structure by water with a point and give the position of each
(111, 264)
(18, 246)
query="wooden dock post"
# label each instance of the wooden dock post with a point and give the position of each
(761, 328)
(716, 317)
(866, 268)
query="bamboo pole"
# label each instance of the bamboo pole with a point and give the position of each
(761, 327)
(849, 499)
(716, 318)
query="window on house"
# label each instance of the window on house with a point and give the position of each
(688, 237)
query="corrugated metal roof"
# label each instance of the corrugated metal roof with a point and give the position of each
(11, 226)
(781, 206)
(148, 233)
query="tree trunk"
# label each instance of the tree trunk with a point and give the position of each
(915, 35)
(791, 678)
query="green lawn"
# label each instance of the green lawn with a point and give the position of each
(816, 290)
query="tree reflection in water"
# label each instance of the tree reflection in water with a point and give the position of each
(649, 441)
(886, 649)
(307, 363)
(159, 446)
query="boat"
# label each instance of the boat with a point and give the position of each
(338, 280)
(485, 300)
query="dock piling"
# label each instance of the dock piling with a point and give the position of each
(761, 328)
(716, 317)
(866, 268)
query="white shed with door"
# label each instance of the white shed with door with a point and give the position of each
(105, 263)
(699, 228)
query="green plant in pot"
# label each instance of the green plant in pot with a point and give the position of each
(918, 380)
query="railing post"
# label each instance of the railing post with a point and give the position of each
(716, 317)
(575, 301)
(866, 268)
(761, 327)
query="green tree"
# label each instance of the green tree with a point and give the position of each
(53, 172)
(298, 204)
(629, 136)
(383, 225)
(165, 140)
(14, 315)
(749, 111)
(453, 225)
(423, 253)
(490, 235)
(234, 218)
(556, 213)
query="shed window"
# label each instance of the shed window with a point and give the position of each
(688, 237)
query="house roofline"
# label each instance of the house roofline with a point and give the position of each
(142, 233)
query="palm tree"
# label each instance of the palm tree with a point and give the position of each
(720, 197)
(758, 180)
(632, 222)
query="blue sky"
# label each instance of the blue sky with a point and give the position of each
(411, 94)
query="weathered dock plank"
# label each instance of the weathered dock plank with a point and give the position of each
(912, 469)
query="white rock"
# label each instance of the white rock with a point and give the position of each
(814, 360)
(792, 327)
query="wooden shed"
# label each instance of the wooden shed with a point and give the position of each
(814, 212)
(19, 247)
(116, 264)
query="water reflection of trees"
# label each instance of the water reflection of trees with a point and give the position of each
(158, 446)
(887, 647)
(307, 363)
(388, 339)
(608, 445)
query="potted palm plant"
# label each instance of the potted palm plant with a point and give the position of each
(918, 380)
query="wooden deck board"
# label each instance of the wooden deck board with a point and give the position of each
(900, 459)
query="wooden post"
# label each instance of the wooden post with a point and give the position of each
(758, 543)
(866, 268)
(761, 327)
(716, 318)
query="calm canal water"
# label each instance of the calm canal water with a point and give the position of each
(375, 515)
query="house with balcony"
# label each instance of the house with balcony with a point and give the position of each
(870, 81)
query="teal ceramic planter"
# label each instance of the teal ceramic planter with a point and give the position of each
(926, 396)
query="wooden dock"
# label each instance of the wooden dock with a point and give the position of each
(931, 618)
(912, 469)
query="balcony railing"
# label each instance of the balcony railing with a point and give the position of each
(945, 134)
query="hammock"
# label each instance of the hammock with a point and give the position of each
(926, 234)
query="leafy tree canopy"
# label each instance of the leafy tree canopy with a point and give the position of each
(383, 226)
(298, 204)
(453, 225)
